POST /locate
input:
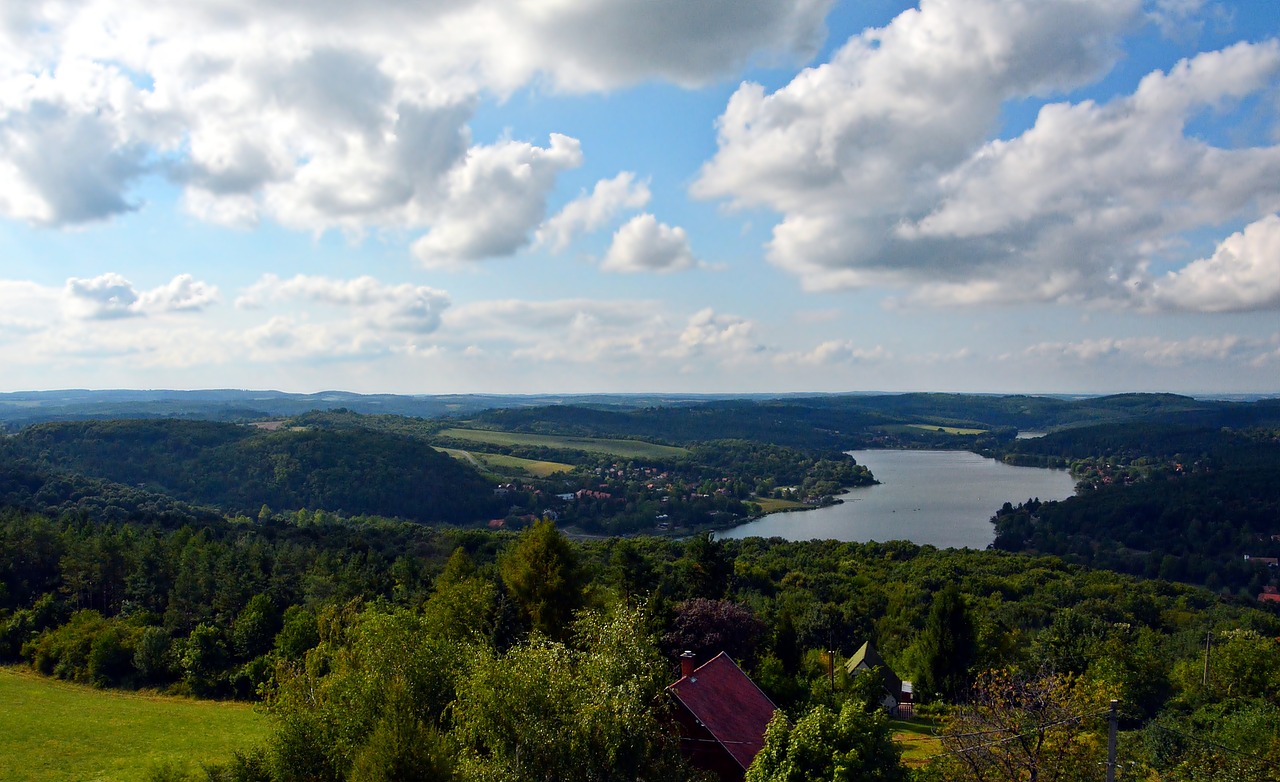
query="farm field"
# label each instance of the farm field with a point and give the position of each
(51, 731)
(946, 429)
(501, 464)
(635, 449)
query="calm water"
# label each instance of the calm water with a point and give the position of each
(942, 498)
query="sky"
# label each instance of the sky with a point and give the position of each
(574, 196)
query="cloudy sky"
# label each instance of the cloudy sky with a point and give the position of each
(430, 196)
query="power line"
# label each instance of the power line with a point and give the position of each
(1014, 737)
(1209, 743)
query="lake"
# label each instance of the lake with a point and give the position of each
(941, 498)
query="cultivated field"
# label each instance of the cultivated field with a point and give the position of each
(51, 731)
(630, 449)
(946, 429)
(501, 464)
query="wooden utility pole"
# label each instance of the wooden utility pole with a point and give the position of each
(1113, 724)
(1208, 641)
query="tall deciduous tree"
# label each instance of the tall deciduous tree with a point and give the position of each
(852, 745)
(1015, 726)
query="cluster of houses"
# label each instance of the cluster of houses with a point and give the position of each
(722, 714)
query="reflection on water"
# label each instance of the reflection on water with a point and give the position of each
(942, 498)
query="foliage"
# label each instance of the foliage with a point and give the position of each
(947, 648)
(852, 745)
(1014, 726)
(542, 573)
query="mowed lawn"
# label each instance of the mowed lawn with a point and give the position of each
(51, 730)
(634, 449)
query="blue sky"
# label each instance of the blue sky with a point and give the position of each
(507, 196)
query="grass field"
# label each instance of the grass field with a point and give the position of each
(771, 505)
(52, 731)
(501, 464)
(631, 449)
(946, 429)
(918, 739)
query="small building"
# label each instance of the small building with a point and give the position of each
(1269, 594)
(898, 694)
(722, 716)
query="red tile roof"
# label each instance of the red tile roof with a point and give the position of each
(728, 704)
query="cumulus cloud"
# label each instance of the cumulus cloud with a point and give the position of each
(110, 296)
(321, 115)
(495, 199)
(836, 351)
(407, 308)
(1242, 274)
(589, 212)
(882, 166)
(645, 245)
(730, 336)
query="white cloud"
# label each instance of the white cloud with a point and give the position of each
(589, 212)
(881, 165)
(645, 245)
(1153, 351)
(184, 293)
(110, 296)
(323, 115)
(730, 337)
(408, 308)
(836, 352)
(494, 199)
(1242, 274)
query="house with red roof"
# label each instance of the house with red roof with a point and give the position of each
(722, 715)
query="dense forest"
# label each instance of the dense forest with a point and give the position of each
(1188, 503)
(478, 655)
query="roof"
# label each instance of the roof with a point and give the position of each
(728, 704)
(868, 656)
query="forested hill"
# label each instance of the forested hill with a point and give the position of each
(238, 469)
(1178, 502)
(826, 422)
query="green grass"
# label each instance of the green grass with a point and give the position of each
(918, 739)
(631, 449)
(772, 505)
(946, 429)
(501, 464)
(52, 731)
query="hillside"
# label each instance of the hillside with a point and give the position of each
(239, 469)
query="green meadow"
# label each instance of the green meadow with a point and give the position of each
(501, 464)
(630, 449)
(946, 429)
(54, 731)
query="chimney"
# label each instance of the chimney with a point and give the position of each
(686, 663)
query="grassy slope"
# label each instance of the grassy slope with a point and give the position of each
(624, 448)
(51, 730)
(501, 464)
